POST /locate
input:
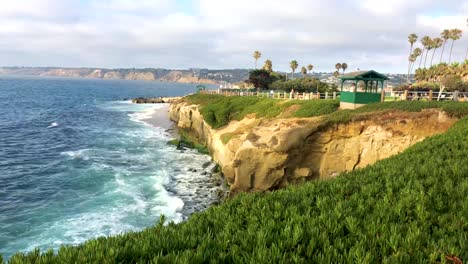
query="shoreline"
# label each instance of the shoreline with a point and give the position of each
(199, 187)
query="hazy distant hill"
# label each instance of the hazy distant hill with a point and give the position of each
(149, 74)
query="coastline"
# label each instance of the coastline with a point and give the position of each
(197, 185)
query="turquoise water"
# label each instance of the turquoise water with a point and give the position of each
(79, 162)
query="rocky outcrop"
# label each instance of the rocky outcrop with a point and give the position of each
(260, 154)
(156, 100)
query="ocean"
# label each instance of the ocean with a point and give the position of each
(79, 161)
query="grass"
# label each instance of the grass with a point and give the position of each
(411, 208)
(453, 109)
(218, 110)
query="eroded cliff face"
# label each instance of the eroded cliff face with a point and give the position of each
(260, 154)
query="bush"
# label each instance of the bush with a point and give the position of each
(306, 84)
(425, 86)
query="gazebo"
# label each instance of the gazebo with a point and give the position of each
(370, 92)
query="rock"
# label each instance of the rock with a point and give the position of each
(269, 154)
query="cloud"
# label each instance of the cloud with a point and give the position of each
(222, 33)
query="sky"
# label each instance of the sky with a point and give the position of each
(222, 34)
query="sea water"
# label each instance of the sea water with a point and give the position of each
(78, 161)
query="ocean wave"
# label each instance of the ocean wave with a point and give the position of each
(77, 154)
(53, 124)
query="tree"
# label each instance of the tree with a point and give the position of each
(412, 38)
(257, 54)
(338, 67)
(304, 71)
(344, 66)
(416, 53)
(268, 66)
(423, 41)
(310, 67)
(445, 35)
(293, 64)
(336, 74)
(260, 79)
(454, 35)
(427, 43)
(436, 43)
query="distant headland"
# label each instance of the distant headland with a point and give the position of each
(148, 74)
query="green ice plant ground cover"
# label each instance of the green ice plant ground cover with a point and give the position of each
(410, 208)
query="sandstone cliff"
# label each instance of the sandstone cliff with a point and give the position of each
(119, 74)
(260, 154)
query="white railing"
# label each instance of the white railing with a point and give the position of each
(389, 96)
(277, 95)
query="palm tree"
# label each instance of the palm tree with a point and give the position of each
(338, 67)
(427, 43)
(436, 43)
(445, 35)
(412, 38)
(310, 67)
(417, 52)
(423, 41)
(454, 35)
(304, 71)
(257, 54)
(268, 66)
(344, 66)
(293, 64)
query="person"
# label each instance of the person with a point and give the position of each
(353, 88)
(291, 94)
(271, 93)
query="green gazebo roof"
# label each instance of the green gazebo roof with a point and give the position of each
(363, 75)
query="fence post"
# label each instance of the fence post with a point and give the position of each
(326, 95)
(405, 96)
(382, 96)
(318, 95)
(430, 95)
(334, 95)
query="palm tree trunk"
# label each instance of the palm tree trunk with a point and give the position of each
(425, 58)
(420, 59)
(255, 63)
(409, 64)
(433, 56)
(442, 53)
(450, 54)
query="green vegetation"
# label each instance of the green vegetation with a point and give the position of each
(185, 142)
(455, 109)
(410, 208)
(306, 84)
(218, 110)
(225, 138)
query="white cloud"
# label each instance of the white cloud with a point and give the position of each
(221, 33)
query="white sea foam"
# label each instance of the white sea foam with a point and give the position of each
(53, 124)
(77, 154)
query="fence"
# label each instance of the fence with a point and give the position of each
(277, 95)
(389, 96)
(426, 96)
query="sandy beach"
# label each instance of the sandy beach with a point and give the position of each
(160, 117)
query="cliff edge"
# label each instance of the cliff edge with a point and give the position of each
(259, 154)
